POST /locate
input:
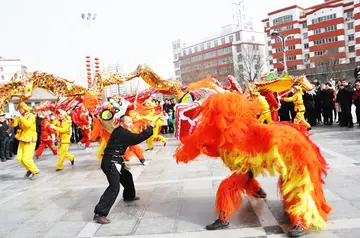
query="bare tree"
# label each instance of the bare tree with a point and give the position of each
(329, 65)
(251, 63)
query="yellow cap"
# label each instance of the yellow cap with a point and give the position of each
(25, 107)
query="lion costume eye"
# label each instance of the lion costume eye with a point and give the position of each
(107, 115)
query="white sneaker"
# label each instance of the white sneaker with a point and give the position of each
(88, 148)
(33, 177)
(79, 144)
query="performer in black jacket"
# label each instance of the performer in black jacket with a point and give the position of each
(113, 166)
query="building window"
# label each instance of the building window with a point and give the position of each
(223, 41)
(2, 77)
(195, 49)
(202, 47)
(190, 51)
(177, 64)
(291, 47)
(304, 25)
(289, 58)
(292, 67)
(277, 50)
(352, 60)
(1, 69)
(268, 33)
(277, 40)
(208, 45)
(350, 25)
(306, 46)
(177, 72)
(305, 35)
(307, 66)
(175, 56)
(253, 38)
(237, 36)
(269, 43)
(231, 38)
(350, 14)
(184, 52)
(351, 37)
(271, 62)
(216, 43)
(179, 55)
(267, 24)
(324, 18)
(283, 19)
(238, 48)
(351, 49)
(307, 56)
(270, 53)
(256, 47)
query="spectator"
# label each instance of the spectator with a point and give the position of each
(318, 105)
(344, 99)
(309, 102)
(166, 106)
(327, 101)
(171, 121)
(356, 99)
(356, 72)
(4, 139)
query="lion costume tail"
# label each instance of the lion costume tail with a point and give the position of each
(315, 168)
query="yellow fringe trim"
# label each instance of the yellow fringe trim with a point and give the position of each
(293, 183)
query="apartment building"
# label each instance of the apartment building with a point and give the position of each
(218, 55)
(314, 36)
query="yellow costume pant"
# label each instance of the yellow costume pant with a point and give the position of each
(63, 154)
(300, 119)
(25, 156)
(265, 117)
(155, 137)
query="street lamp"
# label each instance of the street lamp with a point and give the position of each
(283, 40)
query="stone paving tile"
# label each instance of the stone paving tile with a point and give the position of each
(49, 215)
(158, 225)
(30, 229)
(65, 229)
(117, 228)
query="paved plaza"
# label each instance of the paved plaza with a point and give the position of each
(176, 200)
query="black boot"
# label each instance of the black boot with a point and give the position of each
(217, 225)
(297, 231)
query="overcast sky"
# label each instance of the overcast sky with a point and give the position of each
(49, 35)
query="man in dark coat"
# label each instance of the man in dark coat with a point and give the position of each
(4, 139)
(114, 168)
(344, 99)
(327, 100)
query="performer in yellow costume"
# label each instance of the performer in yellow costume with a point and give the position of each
(297, 99)
(64, 135)
(265, 114)
(27, 136)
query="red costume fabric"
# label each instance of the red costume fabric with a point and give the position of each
(84, 124)
(273, 103)
(46, 139)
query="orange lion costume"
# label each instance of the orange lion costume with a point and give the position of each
(228, 128)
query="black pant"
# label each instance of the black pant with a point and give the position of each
(346, 115)
(4, 148)
(107, 200)
(310, 115)
(318, 109)
(358, 114)
(328, 117)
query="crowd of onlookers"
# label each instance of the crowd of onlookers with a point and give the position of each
(331, 103)
(169, 118)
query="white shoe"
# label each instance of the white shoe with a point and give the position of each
(79, 144)
(88, 148)
(33, 176)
